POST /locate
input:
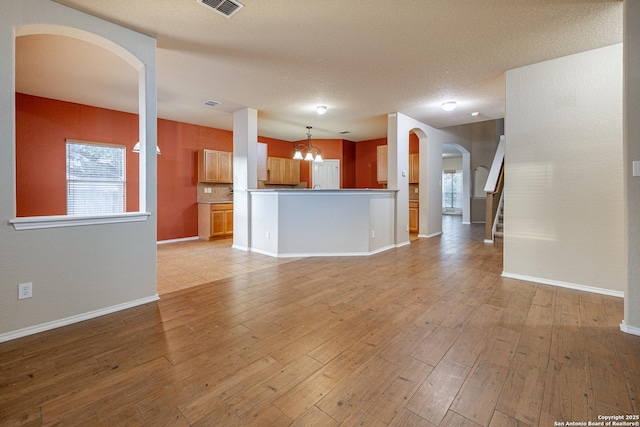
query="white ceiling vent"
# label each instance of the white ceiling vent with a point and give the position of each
(224, 7)
(211, 103)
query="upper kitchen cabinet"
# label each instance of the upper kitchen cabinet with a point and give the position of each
(383, 156)
(215, 166)
(283, 171)
(414, 168)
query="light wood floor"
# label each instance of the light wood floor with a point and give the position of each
(428, 334)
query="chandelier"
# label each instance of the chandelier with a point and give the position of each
(313, 154)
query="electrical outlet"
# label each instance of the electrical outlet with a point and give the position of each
(268, 235)
(373, 234)
(25, 290)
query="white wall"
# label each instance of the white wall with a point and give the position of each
(632, 153)
(431, 140)
(80, 271)
(563, 172)
(452, 163)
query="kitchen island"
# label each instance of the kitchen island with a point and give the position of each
(303, 222)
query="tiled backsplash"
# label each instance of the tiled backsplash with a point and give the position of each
(218, 192)
(413, 192)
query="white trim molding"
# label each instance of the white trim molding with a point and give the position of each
(428, 236)
(57, 221)
(322, 254)
(560, 284)
(629, 329)
(74, 319)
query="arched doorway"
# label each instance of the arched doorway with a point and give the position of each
(459, 204)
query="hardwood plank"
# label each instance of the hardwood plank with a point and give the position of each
(272, 387)
(269, 341)
(400, 391)
(433, 398)
(502, 420)
(436, 345)
(467, 347)
(315, 417)
(359, 390)
(480, 392)
(456, 420)
(406, 418)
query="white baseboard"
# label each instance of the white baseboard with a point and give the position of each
(428, 236)
(183, 239)
(575, 286)
(241, 248)
(488, 241)
(401, 244)
(629, 329)
(321, 254)
(74, 319)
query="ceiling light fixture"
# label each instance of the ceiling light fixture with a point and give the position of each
(449, 105)
(475, 114)
(136, 148)
(321, 109)
(310, 150)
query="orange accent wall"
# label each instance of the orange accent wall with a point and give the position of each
(178, 174)
(414, 143)
(349, 168)
(43, 125)
(42, 128)
(367, 163)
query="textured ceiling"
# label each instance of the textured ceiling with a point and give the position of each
(360, 58)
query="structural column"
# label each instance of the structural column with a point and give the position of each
(245, 173)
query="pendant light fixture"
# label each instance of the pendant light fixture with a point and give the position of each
(313, 154)
(136, 148)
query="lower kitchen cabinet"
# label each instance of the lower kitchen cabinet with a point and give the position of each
(215, 220)
(413, 217)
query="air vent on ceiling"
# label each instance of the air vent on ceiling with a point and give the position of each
(344, 132)
(224, 7)
(211, 103)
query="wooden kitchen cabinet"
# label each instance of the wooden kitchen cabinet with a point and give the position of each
(215, 220)
(414, 168)
(215, 166)
(413, 217)
(383, 163)
(283, 171)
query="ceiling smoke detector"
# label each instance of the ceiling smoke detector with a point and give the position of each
(224, 7)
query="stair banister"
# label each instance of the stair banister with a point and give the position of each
(493, 188)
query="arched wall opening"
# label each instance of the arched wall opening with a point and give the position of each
(466, 179)
(40, 155)
(81, 267)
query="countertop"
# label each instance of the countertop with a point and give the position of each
(217, 202)
(322, 190)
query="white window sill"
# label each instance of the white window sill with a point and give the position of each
(57, 221)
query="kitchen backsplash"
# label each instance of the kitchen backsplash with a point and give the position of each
(215, 192)
(413, 191)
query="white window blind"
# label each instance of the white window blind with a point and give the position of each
(95, 178)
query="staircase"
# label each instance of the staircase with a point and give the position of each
(499, 234)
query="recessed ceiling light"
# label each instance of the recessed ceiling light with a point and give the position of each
(321, 109)
(475, 114)
(449, 105)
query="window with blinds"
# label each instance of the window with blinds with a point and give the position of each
(95, 178)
